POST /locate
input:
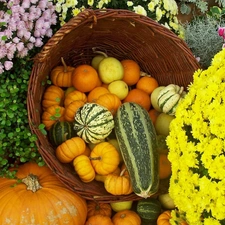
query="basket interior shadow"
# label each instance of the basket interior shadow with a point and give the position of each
(121, 34)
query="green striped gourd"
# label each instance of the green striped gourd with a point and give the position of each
(93, 123)
(138, 145)
(149, 209)
(60, 132)
(169, 98)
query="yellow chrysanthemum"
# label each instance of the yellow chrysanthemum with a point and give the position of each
(197, 147)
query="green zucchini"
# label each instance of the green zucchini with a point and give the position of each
(137, 140)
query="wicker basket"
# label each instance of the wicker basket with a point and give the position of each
(122, 34)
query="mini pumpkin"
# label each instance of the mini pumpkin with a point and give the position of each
(118, 184)
(96, 208)
(164, 219)
(51, 115)
(53, 95)
(99, 220)
(71, 110)
(73, 96)
(62, 75)
(109, 101)
(126, 217)
(104, 158)
(102, 178)
(96, 93)
(38, 197)
(84, 168)
(71, 148)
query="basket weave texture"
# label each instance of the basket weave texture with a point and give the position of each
(121, 34)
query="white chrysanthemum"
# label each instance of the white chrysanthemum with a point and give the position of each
(158, 14)
(71, 3)
(171, 6)
(140, 10)
(90, 2)
(130, 3)
(76, 11)
(151, 6)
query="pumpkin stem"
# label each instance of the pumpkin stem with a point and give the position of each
(32, 183)
(95, 158)
(64, 65)
(99, 52)
(122, 172)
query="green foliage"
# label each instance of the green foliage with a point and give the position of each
(17, 143)
(199, 6)
(202, 38)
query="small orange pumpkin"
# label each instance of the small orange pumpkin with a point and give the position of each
(164, 219)
(104, 158)
(51, 115)
(61, 76)
(99, 220)
(102, 178)
(84, 168)
(96, 208)
(118, 184)
(126, 217)
(53, 95)
(96, 93)
(109, 101)
(71, 148)
(71, 109)
(73, 96)
(38, 197)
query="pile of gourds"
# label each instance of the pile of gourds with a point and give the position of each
(94, 131)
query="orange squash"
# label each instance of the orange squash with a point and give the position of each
(164, 219)
(96, 93)
(84, 168)
(126, 217)
(85, 78)
(38, 197)
(71, 109)
(74, 96)
(71, 148)
(104, 158)
(61, 76)
(99, 220)
(102, 178)
(53, 95)
(96, 208)
(118, 184)
(51, 115)
(109, 101)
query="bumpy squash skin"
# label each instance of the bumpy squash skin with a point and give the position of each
(137, 140)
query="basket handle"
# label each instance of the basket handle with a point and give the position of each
(87, 14)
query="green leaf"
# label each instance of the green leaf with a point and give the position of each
(4, 38)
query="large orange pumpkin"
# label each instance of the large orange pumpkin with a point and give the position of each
(38, 197)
